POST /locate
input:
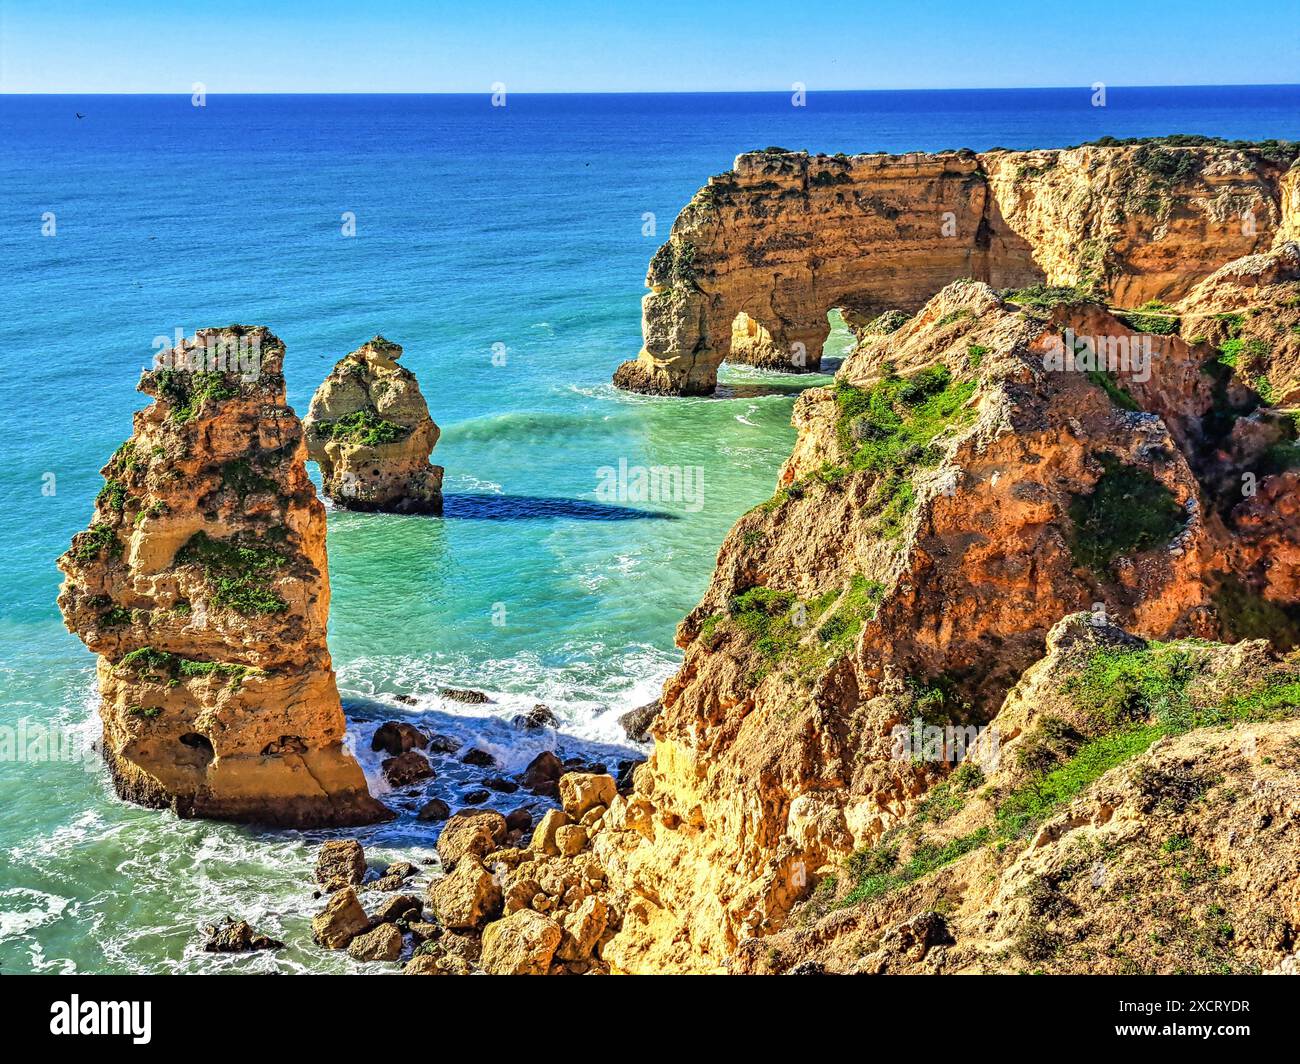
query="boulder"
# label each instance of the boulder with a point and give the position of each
(402, 907)
(544, 834)
(467, 697)
(400, 869)
(519, 819)
(636, 723)
(434, 809)
(443, 744)
(542, 776)
(410, 767)
(477, 796)
(583, 928)
(384, 943)
(570, 839)
(431, 959)
(423, 931)
(236, 937)
(477, 833)
(522, 943)
(467, 897)
(580, 791)
(340, 863)
(340, 921)
(478, 758)
(396, 737)
(538, 717)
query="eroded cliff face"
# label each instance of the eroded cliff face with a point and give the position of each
(202, 586)
(762, 253)
(973, 477)
(370, 432)
(1138, 819)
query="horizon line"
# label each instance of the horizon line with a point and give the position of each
(650, 92)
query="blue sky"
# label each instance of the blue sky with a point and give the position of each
(665, 45)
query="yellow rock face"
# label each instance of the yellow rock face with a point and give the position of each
(762, 253)
(917, 569)
(203, 587)
(370, 432)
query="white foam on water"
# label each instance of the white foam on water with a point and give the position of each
(23, 909)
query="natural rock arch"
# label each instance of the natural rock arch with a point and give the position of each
(785, 236)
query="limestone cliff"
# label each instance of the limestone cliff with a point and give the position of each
(202, 586)
(369, 430)
(762, 253)
(1138, 819)
(992, 465)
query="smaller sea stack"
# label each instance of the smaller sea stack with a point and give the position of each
(370, 432)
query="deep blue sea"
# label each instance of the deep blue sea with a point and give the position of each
(478, 229)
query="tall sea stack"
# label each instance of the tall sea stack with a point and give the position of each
(202, 585)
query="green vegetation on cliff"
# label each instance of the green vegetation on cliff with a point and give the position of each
(238, 573)
(1129, 697)
(186, 391)
(364, 427)
(1127, 511)
(160, 666)
(87, 545)
(801, 635)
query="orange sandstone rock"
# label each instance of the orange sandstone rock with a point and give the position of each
(202, 586)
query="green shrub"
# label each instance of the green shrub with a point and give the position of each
(1154, 323)
(1127, 511)
(1119, 395)
(97, 538)
(363, 427)
(112, 495)
(238, 574)
(186, 391)
(888, 322)
(1045, 297)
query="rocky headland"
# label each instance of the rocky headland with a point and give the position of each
(370, 432)
(202, 586)
(762, 252)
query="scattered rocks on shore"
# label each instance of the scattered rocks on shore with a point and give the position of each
(508, 903)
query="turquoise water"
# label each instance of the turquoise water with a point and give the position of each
(475, 227)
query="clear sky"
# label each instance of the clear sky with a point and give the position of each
(663, 45)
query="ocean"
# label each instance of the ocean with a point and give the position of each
(505, 248)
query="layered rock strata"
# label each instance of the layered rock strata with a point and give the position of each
(202, 586)
(762, 253)
(369, 430)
